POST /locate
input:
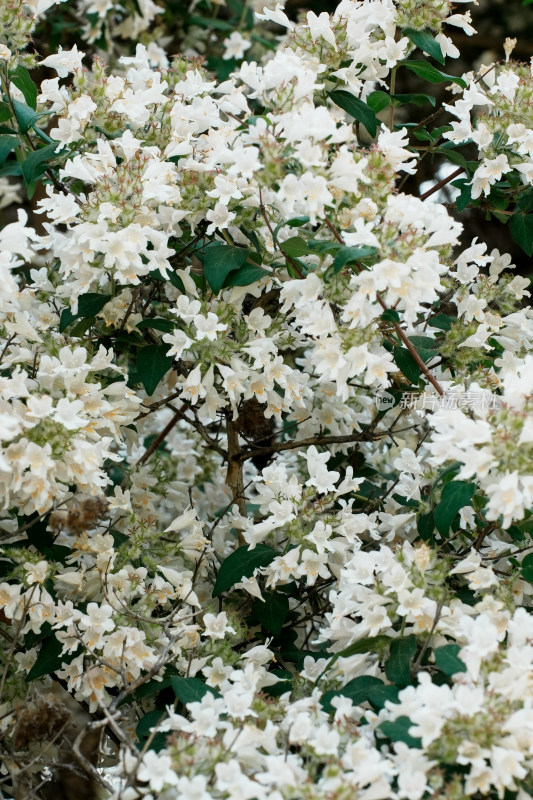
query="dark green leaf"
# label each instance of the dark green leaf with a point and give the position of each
(398, 664)
(152, 687)
(35, 163)
(464, 198)
(26, 116)
(380, 695)
(527, 568)
(5, 112)
(145, 725)
(272, 611)
(521, 227)
(294, 222)
(425, 526)
(357, 109)
(219, 261)
(211, 22)
(406, 364)
(447, 659)
(429, 73)
(89, 305)
(367, 645)
(398, 731)
(22, 80)
(190, 690)
(157, 324)
(49, 659)
(152, 364)
(425, 346)
(526, 201)
(390, 315)
(294, 247)
(378, 100)
(415, 99)
(346, 255)
(7, 144)
(442, 321)
(425, 42)
(455, 495)
(246, 276)
(358, 690)
(241, 564)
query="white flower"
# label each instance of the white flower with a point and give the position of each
(220, 217)
(235, 46)
(323, 480)
(64, 61)
(157, 770)
(207, 327)
(217, 627)
(320, 26)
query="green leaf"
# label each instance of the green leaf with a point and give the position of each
(464, 198)
(390, 315)
(415, 99)
(190, 690)
(406, 364)
(521, 227)
(442, 321)
(89, 305)
(246, 276)
(152, 364)
(7, 144)
(358, 690)
(398, 664)
(241, 564)
(219, 261)
(346, 255)
(398, 731)
(357, 109)
(425, 42)
(447, 659)
(26, 116)
(294, 247)
(5, 112)
(35, 163)
(526, 201)
(380, 695)
(429, 73)
(272, 612)
(455, 495)
(425, 346)
(145, 725)
(378, 100)
(49, 659)
(367, 645)
(211, 22)
(425, 526)
(294, 222)
(157, 324)
(22, 80)
(527, 568)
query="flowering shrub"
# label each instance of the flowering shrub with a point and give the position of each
(265, 419)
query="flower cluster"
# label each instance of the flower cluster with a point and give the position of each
(226, 532)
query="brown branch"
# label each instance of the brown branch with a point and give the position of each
(442, 183)
(234, 474)
(159, 438)
(363, 436)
